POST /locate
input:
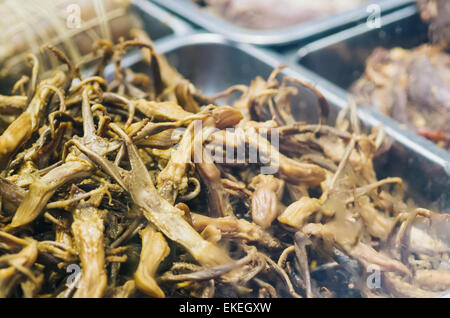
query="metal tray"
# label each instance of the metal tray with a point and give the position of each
(213, 64)
(341, 57)
(301, 32)
(157, 22)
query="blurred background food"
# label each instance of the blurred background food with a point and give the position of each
(28, 24)
(412, 86)
(437, 14)
(275, 14)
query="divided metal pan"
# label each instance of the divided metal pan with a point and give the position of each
(212, 63)
(341, 57)
(300, 32)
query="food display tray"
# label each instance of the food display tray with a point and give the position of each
(340, 60)
(301, 32)
(341, 57)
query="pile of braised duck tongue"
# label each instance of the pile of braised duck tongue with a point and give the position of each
(142, 185)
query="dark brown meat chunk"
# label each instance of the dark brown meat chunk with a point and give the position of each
(437, 14)
(412, 87)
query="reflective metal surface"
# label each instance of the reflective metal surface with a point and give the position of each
(307, 30)
(158, 23)
(341, 57)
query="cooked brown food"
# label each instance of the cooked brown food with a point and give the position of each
(412, 87)
(137, 186)
(437, 14)
(275, 14)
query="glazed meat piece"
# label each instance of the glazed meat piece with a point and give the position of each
(274, 14)
(412, 87)
(437, 14)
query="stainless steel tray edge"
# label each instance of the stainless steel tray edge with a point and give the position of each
(352, 32)
(199, 16)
